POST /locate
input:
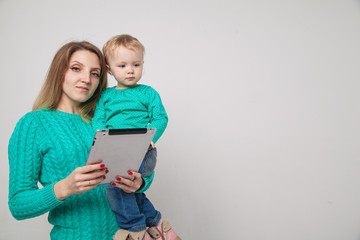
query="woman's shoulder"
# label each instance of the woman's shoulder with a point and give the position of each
(34, 117)
(38, 114)
(27, 124)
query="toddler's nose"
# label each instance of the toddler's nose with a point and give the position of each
(131, 69)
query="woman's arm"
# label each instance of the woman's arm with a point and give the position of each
(26, 200)
(82, 179)
(147, 183)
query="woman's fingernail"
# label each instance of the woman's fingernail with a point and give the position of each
(130, 173)
(106, 171)
(102, 165)
(118, 178)
(104, 177)
(114, 184)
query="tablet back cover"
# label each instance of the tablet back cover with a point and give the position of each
(120, 150)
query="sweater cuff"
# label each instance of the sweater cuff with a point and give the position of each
(147, 182)
(49, 196)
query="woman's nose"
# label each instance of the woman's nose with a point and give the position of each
(86, 77)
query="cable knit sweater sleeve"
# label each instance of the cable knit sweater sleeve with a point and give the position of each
(26, 200)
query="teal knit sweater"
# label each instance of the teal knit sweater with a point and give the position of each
(46, 146)
(136, 107)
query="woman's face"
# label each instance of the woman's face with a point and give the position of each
(81, 78)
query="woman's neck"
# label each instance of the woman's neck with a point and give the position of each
(68, 107)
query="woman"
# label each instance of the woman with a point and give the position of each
(50, 145)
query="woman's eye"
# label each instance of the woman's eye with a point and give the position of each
(95, 74)
(76, 69)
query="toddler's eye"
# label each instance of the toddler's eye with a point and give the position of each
(122, 66)
(137, 65)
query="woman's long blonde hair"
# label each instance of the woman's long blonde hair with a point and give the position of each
(50, 93)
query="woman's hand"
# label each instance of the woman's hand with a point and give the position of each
(80, 180)
(127, 185)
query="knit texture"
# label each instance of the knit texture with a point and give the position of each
(136, 107)
(46, 146)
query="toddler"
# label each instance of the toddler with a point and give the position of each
(132, 105)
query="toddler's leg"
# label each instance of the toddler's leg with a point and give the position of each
(126, 209)
(149, 162)
(152, 216)
(163, 230)
(123, 234)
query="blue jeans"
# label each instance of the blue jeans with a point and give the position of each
(134, 211)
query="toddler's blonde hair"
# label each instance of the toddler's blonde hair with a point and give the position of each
(123, 40)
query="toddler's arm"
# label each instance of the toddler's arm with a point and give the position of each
(158, 115)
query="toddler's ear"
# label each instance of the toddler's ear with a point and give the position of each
(108, 69)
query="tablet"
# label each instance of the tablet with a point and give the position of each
(120, 150)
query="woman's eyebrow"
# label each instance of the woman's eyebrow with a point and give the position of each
(77, 62)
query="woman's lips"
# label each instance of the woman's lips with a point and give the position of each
(84, 89)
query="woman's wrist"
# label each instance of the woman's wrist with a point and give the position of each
(60, 191)
(147, 182)
(142, 184)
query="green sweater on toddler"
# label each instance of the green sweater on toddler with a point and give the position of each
(136, 107)
(46, 146)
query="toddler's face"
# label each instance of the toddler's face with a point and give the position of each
(126, 66)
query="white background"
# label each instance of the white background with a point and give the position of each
(263, 98)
